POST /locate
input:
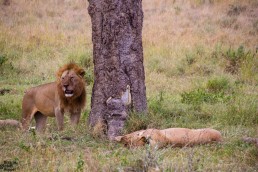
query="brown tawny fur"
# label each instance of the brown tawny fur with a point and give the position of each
(176, 137)
(67, 94)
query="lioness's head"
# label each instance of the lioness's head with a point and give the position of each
(70, 80)
(136, 138)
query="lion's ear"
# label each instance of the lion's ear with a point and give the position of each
(81, 72)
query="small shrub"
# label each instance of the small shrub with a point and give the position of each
(234, 59)
(180, 69)
(3, 59)
(192, 56)
(242, 62)
(217, 85)
(235, 10)
(196, 97)
(190, 59)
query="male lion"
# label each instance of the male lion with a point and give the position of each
(67, 94)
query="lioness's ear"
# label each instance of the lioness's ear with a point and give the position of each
(81, 72)
(144, 140)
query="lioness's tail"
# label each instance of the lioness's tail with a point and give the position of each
(10, 122)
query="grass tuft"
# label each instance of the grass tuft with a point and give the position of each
(218, 85)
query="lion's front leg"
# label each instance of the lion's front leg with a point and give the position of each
(75, 117)
(59, 113)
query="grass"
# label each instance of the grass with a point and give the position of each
(201, 71)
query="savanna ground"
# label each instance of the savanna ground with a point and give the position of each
(201, 64)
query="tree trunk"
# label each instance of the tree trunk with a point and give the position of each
(6, 2)
(118, 62)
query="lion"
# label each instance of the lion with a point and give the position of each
(176, 137)
(66, 94)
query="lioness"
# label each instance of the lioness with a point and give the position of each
(176, 137)
(53, 99)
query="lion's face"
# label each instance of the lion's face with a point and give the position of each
(71, 83)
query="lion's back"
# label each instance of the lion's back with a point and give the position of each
(42, 98)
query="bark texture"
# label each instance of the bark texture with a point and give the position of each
(117, 58)
(7, 2)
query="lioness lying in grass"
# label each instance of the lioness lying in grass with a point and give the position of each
(177, 137)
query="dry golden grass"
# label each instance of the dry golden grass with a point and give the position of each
(176, 27)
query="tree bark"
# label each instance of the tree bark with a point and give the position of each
(6, 2)
(118, 61)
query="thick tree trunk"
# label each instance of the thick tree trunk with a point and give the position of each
(6, 2)
(118, 61)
